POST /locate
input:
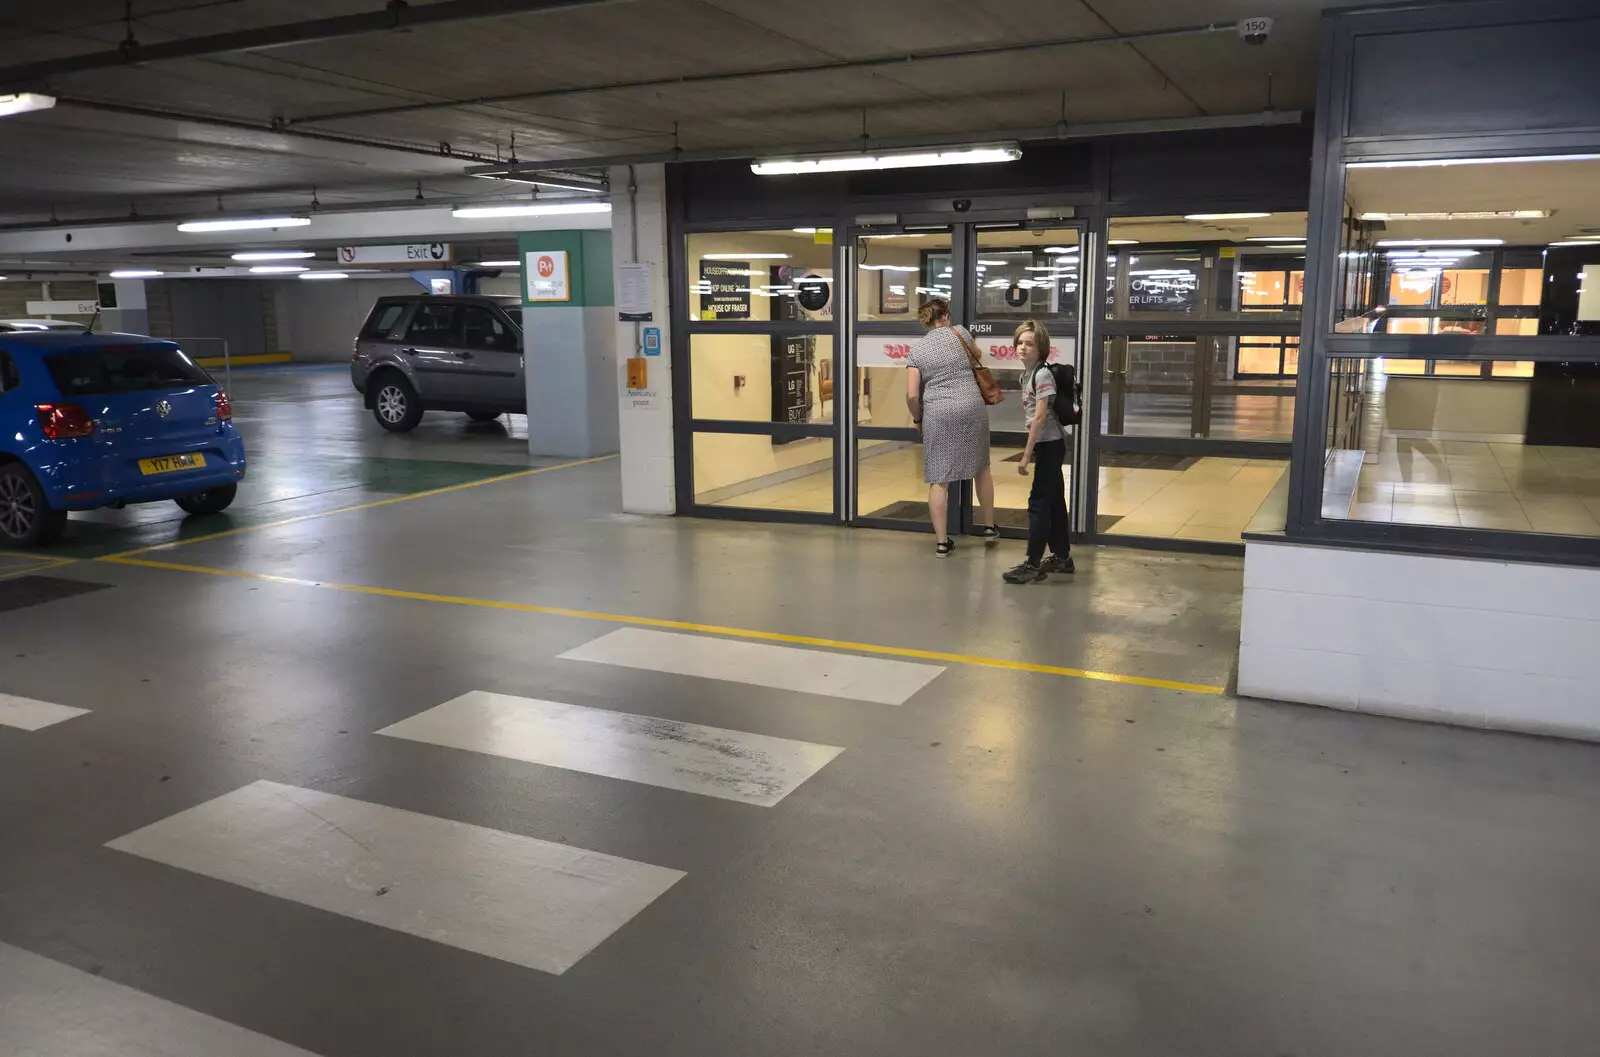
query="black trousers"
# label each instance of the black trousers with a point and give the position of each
(1047, 502)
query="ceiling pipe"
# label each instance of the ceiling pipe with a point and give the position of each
(829, 66)
(443, 150)
(1258, 119)
(395, 15)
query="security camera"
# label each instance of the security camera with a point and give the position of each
(1255, 30)
(961, 205)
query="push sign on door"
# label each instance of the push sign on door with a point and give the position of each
(652, 341)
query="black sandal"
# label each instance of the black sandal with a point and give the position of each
(943, 548)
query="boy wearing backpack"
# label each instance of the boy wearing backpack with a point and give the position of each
(1051, 401)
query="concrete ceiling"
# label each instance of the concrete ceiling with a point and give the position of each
(1569, 190)
(172, 135)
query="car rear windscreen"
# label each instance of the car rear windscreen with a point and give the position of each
(123, 369)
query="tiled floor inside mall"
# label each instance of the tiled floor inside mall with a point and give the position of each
(1200, 498)
(426, 749)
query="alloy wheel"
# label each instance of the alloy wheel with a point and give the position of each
(17, 508)
(391, 403)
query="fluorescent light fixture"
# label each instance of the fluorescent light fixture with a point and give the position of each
(22, 102)
(1276, 238)
(1227, 216)
(1493, 214)
(274, 255)
(324, 275)
(1428, 243)
(889, 267)
(530, 209)
(277, 269)
(1122, 242)
(813, 231)
(744, 256)
(243, 224)
(1578, 242)
(498, 264)
(135, 273)
(996, 264)
(1061, 249)
(821, 163)
(1431, 163)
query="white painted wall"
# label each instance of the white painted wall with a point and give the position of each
(1471, 642)
(644, 417)
(318, 321)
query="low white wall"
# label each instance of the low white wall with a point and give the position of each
(1457, 640)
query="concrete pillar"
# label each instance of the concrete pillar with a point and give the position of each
(639, 234)
(569, 350)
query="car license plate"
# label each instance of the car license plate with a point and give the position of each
(169, 463)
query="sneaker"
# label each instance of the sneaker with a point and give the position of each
(990, 534)
(943, 548)
(1026, 573)
(1058, 564)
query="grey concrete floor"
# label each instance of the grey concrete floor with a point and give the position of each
(1011, 862)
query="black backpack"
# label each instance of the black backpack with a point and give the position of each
(1069, 411)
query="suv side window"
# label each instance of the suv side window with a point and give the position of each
(432, 324)
(9, 377)
(481, 328)
(383, 320)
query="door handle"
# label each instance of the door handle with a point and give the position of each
(463, 355)
(408, 352)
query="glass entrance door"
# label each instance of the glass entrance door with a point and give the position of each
(995, 275)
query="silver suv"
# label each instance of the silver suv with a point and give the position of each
(424, 352)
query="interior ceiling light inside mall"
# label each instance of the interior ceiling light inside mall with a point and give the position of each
(1457, 204)
(213, 122)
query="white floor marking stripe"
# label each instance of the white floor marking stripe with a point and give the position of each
(760, 664)
(54, 1010)
(731, 764)
(24, 713)
(530, 902)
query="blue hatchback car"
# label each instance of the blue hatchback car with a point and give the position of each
(104, 420)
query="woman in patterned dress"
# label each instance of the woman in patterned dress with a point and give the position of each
(948, 408)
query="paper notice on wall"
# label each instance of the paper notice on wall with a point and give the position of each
(633, 293)
(1589, 294)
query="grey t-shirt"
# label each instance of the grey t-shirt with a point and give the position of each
(1041, 385)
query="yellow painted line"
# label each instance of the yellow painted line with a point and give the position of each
(351, 509)
(33, 563)
(680, 625)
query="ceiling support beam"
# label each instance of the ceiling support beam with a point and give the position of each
(395, 15)
(826, 66)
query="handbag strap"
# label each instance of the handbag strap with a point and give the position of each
(973, 354)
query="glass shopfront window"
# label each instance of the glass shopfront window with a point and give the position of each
(1206, 266)
(1193, 387)
(782, 378)
(760, 276)
(1448, 447)
(896, 273)
(1462, 248)
(1027, 273)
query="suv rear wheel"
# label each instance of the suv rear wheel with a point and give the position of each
(26, 519)
(395, 404)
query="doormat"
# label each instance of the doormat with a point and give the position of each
(25, 591)
(1147, 461)
(1004, 517)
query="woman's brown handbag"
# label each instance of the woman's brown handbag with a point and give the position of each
(992, 393)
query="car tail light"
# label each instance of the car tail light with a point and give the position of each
(224, 407)
(64, 421)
